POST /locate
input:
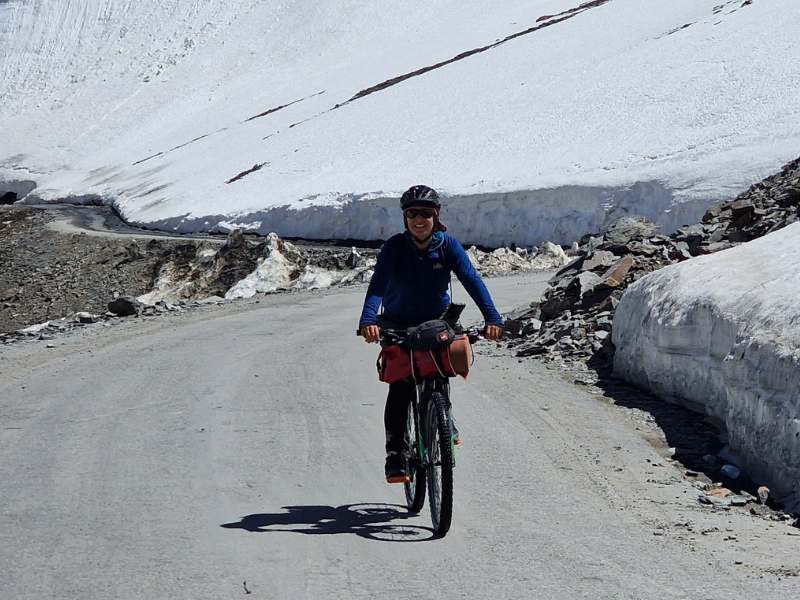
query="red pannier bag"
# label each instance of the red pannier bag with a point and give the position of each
(394, 364)
(449, 361)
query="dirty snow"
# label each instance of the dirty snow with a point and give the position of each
(722, 333)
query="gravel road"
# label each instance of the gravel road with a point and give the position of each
(237, 452)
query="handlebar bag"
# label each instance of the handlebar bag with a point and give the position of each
(430, 335)
(394, 364)
(449, 361)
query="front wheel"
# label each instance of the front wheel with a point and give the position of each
(439, 441)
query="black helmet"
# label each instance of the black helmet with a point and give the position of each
(420, 195)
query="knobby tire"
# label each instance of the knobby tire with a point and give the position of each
(439, 439)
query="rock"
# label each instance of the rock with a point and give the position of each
(626, 229)
(731, 471)
(585, 283)
(531, 326)
(615, 275)
(34, 329)
(715, 501)
(598, 259)
(712, 214)
(680, 250)
(763, 494)
(125, 306)
(742, 213)
(85, 317)
(720, 492)
(354, 259)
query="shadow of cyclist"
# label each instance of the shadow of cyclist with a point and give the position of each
(371, 521)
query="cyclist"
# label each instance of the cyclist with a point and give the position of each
(410, 280)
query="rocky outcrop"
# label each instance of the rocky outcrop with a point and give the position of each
(573, 318)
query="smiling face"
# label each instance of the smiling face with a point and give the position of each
(419, 222)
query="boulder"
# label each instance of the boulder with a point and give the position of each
(626, 229)
(125, 306)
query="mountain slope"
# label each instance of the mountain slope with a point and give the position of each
(189, 114)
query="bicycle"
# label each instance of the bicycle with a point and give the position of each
(429, 433)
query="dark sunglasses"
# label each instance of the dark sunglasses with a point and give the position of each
(425, 213)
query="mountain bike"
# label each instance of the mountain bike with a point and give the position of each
(429, 433)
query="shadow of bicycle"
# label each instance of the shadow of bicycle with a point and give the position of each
(382, 522)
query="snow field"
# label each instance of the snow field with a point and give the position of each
(721, 333)
(151, 106)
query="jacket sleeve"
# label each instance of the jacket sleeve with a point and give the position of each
(377, 285)
(472, 282)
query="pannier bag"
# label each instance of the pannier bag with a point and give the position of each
(430, 335)
(456, 358)
(394, 364)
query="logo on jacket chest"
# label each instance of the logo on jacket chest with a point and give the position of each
(438, 265)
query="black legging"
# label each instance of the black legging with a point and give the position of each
(395, 414)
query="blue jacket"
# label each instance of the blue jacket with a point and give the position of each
(412, 285)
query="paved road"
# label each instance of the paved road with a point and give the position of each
(240, 450)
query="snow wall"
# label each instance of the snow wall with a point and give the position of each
(528, 217)
(721, 334)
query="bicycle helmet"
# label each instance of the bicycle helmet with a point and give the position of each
(420, 195)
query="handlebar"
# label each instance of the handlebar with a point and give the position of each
(399, 336)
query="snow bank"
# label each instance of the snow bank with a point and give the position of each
(722, 333)
(310, 118)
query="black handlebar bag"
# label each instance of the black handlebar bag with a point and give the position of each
(430, 335)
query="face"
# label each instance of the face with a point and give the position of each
(420, 222)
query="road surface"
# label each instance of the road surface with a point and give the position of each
(237, 453)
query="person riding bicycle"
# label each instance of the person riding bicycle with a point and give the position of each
(410, 280)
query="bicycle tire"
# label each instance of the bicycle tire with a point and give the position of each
(439, 439)
(415, 489)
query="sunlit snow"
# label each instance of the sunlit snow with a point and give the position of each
(193, 115)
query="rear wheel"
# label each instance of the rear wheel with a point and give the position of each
(439, 439)
(415, 488)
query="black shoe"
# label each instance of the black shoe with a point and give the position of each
(397, 469)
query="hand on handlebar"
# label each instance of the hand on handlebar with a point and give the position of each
(371, 333)
(493, 332)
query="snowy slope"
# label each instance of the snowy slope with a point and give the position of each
(172, 109)
(723, 332)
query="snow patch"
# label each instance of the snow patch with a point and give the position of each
(505, 260)
(273, 272)
(722, 334)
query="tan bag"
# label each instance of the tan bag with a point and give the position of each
(454, 359)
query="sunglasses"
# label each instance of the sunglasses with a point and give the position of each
(425, 213)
